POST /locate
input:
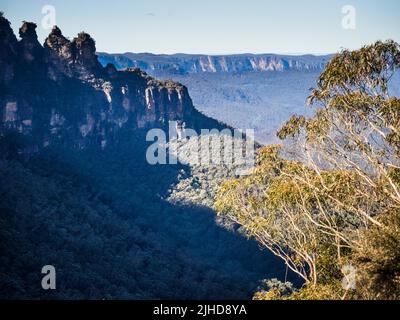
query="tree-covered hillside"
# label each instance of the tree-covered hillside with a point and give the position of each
(101, 219)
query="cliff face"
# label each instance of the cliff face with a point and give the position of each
(193, 64)
(59, 92)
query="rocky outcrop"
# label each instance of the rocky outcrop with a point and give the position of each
(60, 51)
(189, 64)
(8, 52)
(30, 49)
(59, 92)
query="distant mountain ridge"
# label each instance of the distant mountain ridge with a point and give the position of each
(251, 91)
(198, 63)
(60, 92)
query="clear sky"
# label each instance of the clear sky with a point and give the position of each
(215, 26)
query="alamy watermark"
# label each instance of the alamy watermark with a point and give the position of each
(349, 277)
(49, 19)
(232, 148)
(49, 280)
(349, 20)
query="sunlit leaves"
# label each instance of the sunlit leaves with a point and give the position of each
(318, 203)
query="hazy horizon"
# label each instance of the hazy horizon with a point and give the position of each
(224, 54)
(216, 27)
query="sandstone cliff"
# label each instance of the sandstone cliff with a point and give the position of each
(59, 92)
(194, 64)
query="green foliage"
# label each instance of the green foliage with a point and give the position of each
(274, 289)
(332, 198)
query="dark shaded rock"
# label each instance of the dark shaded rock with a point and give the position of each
(60, 52)
(61, 93)
(85, 53)
(111, 70)
(8, 52)
(31, 50)
(59, 44)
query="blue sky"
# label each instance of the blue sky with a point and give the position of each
(215, 26)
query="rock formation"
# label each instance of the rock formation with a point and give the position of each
(59, 92)
(182, 64)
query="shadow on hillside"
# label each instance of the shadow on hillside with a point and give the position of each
(101, 219)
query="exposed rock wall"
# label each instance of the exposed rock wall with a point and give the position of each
(59, 92)
(193, 64)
